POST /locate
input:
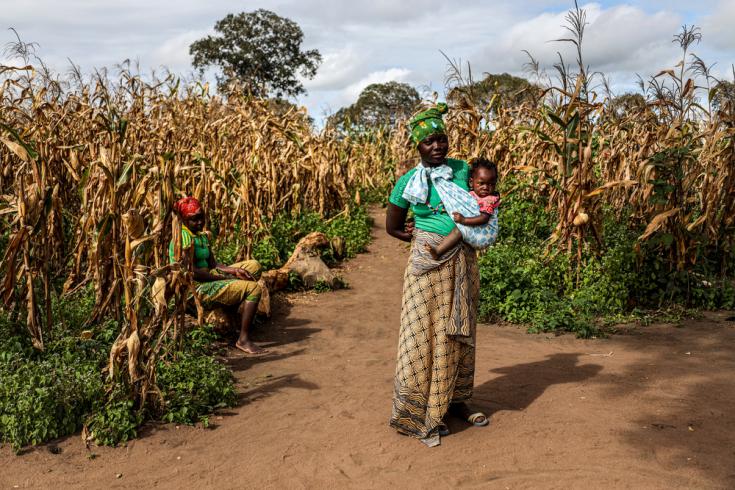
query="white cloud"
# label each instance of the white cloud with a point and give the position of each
(621, 39)
(12, 62)
(174, 52)
(338, 69)
(352, 91)
(339, 12)
(626, 38)
(719, 28)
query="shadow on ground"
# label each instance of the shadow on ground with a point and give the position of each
(266, 386)
(684, 378)
(277, 331)
(519, 385)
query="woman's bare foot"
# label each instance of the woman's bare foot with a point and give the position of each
(431, 251)
(249, 347)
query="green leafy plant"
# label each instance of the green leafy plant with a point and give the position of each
(522, 282)
(193, 386)
(279, 238)
(322, 286)
(45, 395)
(115, 421)
(53, 393)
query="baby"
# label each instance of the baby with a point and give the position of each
(483, 179)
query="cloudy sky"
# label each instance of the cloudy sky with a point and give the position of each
(381, 40)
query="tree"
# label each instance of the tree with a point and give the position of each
(281, 107)
(626, 104)
(260, 49)
(379, 104)
(724, 96)
(511, 91)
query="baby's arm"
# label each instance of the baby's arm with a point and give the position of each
(482, 219)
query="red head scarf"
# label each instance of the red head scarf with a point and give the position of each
(187, 207)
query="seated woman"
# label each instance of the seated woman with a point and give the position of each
(218, 284)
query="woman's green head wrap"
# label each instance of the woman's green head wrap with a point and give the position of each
(428, 122)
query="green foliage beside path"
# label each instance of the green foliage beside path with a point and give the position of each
(521, 282)
(53, 393)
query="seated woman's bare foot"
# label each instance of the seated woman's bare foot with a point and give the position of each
(249, 347)
(431, 251)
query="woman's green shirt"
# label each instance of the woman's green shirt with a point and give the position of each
(201, 247)
(432, 217)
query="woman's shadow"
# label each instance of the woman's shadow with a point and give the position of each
(521, 384)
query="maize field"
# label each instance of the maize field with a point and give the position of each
(91, 168)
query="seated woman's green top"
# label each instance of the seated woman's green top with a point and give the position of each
(432, 217)
(201, 247)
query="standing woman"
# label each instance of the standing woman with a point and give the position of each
(436, 349)
(218, 284)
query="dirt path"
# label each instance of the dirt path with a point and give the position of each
(652, 409)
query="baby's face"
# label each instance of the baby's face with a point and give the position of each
(484, 181)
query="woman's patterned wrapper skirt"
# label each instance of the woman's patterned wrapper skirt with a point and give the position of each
(435, 366)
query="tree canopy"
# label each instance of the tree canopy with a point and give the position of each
(260, 49)
(512, 91)
(626, 104)
(379, 104)
(724, 96)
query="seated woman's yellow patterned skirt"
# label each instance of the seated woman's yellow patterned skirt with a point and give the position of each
(230, 292)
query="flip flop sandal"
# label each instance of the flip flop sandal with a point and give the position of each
(472, 419)
(444, 430)
(253, 354)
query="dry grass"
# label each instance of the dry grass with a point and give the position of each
(666, 166)
(676, 181)
(90, 173)
(91, 170)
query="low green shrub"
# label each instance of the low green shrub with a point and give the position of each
(53, 393)
(525, 281)
(46, 399)
(49, 394)
(193, 386)
(378, 195)
(279, 238)
(324, 286)
(116, 420)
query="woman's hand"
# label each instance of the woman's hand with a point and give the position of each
(238, 273)
(202, 274)
(243, 274)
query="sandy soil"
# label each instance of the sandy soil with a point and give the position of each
(648, 409)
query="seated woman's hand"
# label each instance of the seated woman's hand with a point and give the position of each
(242, 274)
(236, 272)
